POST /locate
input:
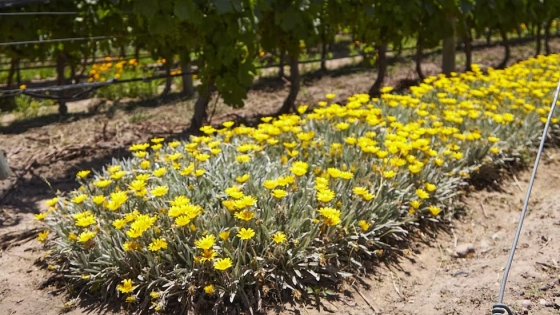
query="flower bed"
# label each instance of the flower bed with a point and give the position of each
(244, 212)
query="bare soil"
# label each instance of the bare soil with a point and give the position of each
(45, 152)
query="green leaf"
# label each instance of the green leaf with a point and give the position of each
(147, 8)
(183, 10)
(223, 6)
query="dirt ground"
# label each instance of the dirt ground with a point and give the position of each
(45, 153)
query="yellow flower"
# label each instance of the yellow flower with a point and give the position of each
(209, 289)
(126, 286)
(130, 246)
(228, 124)
(279, 193)
(422, 194)
(495, 150)
(350, 140)
(243, 178)
(330, 96)
(342, 126)
(79, 199)
(360, 191)
(389, 174)
(139, 147)
(434, 210)
(224, 235)
(186, 171)
(182, 220)
(206, 242)
(245, 215)
(113, 168)
(143, 177)
(293, 153)
(52, 202)
(86, 236)
(99, 199)
(302, 109)
(157, 244)
(368, 196)
(208, 129)
(234, 192)
(83, 174)
(145, 164)
(174, 144)
(154, 295)
(386, 89)
(137, 185)
(246, 234)
(117, 200)
(246, 201)
(493, 139)
(243, 158)
(202, 157)
(331, 220)
(118, 175)
(85, 221)
(364, 225)
(430, 187)
(279, 237)
(40, 216)
(119, 223)
(157, 140)
(415, 204)
(159, 172)
(458, 155)
(299, 168)
(199, 172)
(290, 145)
(159, 191)
(102, 183)
(270, 184)
(223, 264)
(325, 195)
(42, 236)
(415, 168)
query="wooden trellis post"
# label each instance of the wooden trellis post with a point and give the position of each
(5, 171)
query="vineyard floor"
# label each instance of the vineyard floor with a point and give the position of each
(51, 149)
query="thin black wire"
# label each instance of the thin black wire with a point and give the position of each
(22, 3)
(48, 13)
(37, 13)
(526, 203)
(60, 40)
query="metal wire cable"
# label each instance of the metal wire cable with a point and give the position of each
(60, 40)
(37, 13)
(501, 308)
(49, 13)
(22, 3)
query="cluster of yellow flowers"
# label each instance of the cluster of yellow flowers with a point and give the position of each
(110, 68)
(245, 208)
